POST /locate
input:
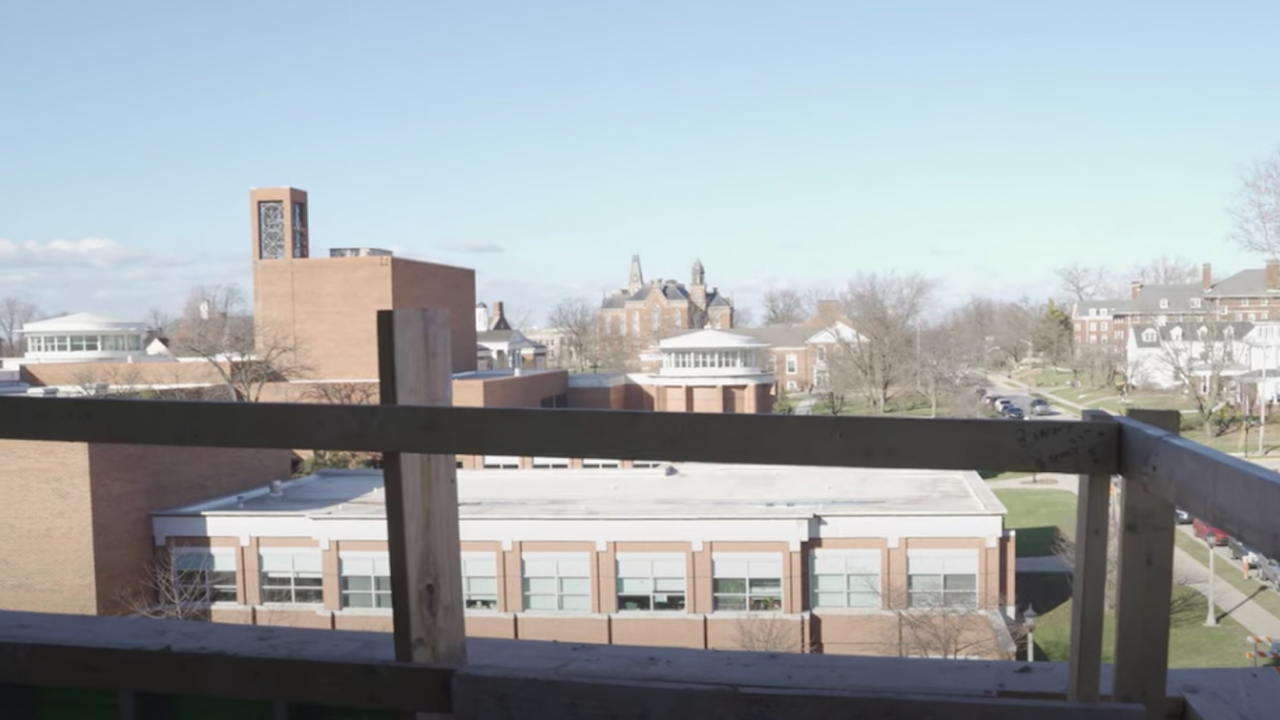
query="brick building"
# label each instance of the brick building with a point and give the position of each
(688, 555)
(643, 312)
(329, 306)
(74, 525)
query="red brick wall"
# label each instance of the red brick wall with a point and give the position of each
(525, 390)
(417, 284)
(120, 373)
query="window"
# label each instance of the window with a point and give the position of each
(299, 230)
(480, 580)
(1164, 303)
(1262, 316)
(291, 575)
(557, 581)
(792, 386)
(822, 354)
(1102, 326)
(501, 462)
(791, 364)
(205, 575)
(1093, 312)
(1175, 334)
(651, 581)
(365, 580)
(599, 463)
(1104, 339)
(655, 321)
(1244, 302)
(545, 463)
(1093, 338)
(1195, 302)
(942, 578)
(1149, 335)
(1264, 302)
(1239, 317)
(845, 578)
(1119, 334)
(271, 230)
(744, 581)
(1253, 317)
(1093, 326)
(635, 323)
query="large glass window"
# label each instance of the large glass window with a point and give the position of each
(291, 576)
(845, 578)
(942, 578)
(365, 580)
(204, 575)
(651, 581)
(480, 580)
(746, 581)
(557, 581)
(791, 364)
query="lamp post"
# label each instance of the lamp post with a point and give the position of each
(1029, 622)
(1211, 618)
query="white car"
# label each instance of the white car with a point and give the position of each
(1001, 404)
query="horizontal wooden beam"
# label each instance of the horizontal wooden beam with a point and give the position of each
(1238, 497)
(483, 693)
(170, 657)
(1032, 446)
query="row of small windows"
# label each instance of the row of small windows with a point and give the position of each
(84, 343)
(713, 359)
(561, 582)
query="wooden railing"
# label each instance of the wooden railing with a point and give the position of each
(429, 669)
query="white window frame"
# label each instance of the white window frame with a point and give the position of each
(377, 561)
(479, 574)
(1195, 302)
(1164, 303)
(1102, 326)
(655, 578)
(943, 564)
(544, 463)
(1093, 326)
(755, 570)
(1149, 335)
(1244, 302)
(500, 462)
(294, 575)
(1119, 334)
(792, 364)
(792, 386)
(852, 584)
(570, 573)
(600, 463)
(224, 556)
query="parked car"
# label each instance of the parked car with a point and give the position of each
(1239, 551)
(1002, 403)
(1039, 406)
(1208, 533)
(1013, 413)
(1182, 517)
(1269, 572)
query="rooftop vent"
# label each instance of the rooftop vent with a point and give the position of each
(358, 252)
(670, 470)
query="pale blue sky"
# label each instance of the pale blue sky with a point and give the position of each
(984, 143)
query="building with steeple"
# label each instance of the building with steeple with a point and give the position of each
(648, 311)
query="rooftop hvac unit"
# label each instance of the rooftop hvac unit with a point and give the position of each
(358, 252)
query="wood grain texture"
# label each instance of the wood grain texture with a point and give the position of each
(849, 441)
(1144, 584)
(491, 694)
(421, 495)
(1230, 493)
(1089, 580)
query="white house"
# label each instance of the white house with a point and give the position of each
(84, 337)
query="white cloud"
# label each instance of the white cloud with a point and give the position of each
(86, 252)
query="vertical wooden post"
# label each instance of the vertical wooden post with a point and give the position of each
(1144, 584)
(414, 364)
(1089, 584)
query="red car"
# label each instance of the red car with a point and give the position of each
(1208, 533)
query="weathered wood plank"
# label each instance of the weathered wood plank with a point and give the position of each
(490, 694)
(1144, 584)
(1041, 446)
(1089, 580)
(1235, 495)
(422, 495)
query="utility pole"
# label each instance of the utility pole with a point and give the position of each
(1211, 619)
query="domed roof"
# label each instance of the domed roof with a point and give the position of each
(83, 322)
(709, 339)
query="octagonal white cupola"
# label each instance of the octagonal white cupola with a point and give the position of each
(83, 337)
(710, 353)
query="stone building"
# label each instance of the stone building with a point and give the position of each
(643, 312)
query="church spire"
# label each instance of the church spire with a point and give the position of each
(699, 273)
(636, 279)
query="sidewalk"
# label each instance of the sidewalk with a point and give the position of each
(1195, 574)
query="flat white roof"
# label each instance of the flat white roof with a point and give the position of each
(83, 322)
(685, 490)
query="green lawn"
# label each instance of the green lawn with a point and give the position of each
(1263, 596)
(1191, 644)
(1038, 516)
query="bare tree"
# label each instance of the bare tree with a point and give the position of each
(951, 632)
(14, 313)
(216, 326)
(744, 317)
(884, 310)
(1166, 270)
(763, 632)
(1255, 213)
(1083, 282)
(158, 320)
(340, 393)
(784, 306)
(575, 319)
(941, 365)
(1014, 328)
(1065, 549)
(1198, 357)
(176, 586)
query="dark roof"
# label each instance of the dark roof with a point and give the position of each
(614, 301)
(1190, 331)
(720, 301)
(495, 336)
(1114, 305)
(1252, 283)
(1179, 297)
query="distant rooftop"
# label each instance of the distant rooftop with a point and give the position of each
(84, 322)
(693, 490)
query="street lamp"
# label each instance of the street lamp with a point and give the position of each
(1029, 622)
(1211, 618)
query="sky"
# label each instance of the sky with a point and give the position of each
(543, 143)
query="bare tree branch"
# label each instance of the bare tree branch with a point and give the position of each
(575, 319)
(1166, 270)
(1082, 282)
(784, 306)
(1255, 213)
(763, 632)
(176, 587)
(884, 310)
(14, 313)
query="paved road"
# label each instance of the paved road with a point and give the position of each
(1019, 396)
(1187, 569)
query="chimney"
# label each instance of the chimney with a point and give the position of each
(499, 319)
(1273, 274)
(1134, 287)
(1206, 277)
